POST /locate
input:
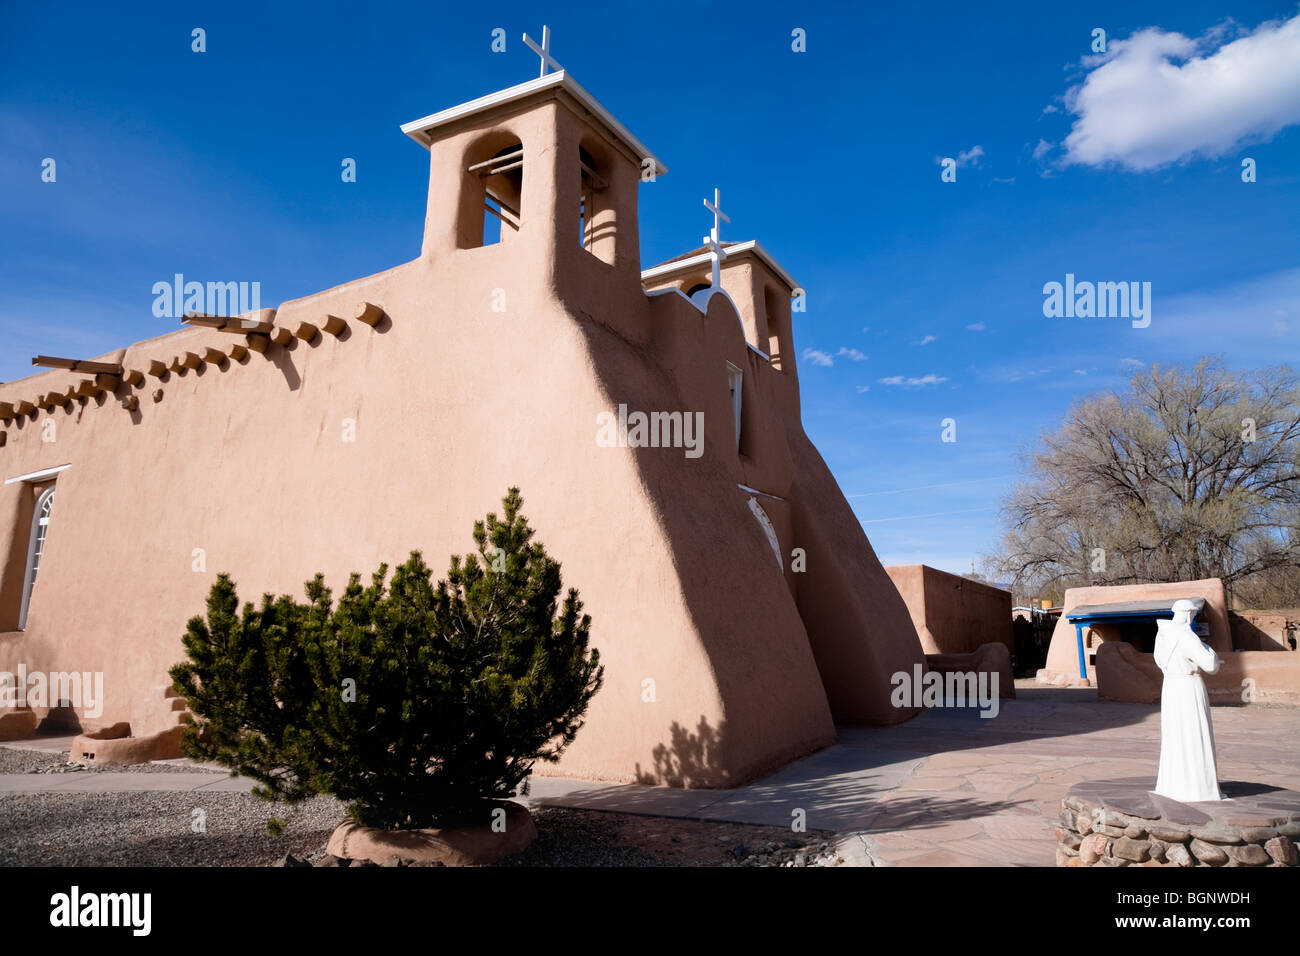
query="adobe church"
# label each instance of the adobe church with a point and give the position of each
(738, 607)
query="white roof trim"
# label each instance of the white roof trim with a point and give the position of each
(38, 475)
(684, 265)
(418, 130)
(755, 491)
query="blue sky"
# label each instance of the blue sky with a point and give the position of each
(925, 297)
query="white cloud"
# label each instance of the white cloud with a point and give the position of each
(818, 357)
(930, 379)
(1079, 371)
(1042, 149)
(1240, 318)
(1010, 374)
(1131, 363)
(1049, 108)
(928, 339)
(975, 327)
(967, 157)
(863, 388)
(1160, 97)
(853, 354)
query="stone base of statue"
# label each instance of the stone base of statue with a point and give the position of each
(1122, 823)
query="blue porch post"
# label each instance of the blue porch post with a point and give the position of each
(1083, 664)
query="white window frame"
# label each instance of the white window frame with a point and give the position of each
(35, 476)
(32, 568)
(736, 384)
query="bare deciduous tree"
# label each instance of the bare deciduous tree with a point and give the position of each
(1195, 473)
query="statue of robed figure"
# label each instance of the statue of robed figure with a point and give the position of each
(1188, 770)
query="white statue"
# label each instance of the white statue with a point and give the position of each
(1188, 770)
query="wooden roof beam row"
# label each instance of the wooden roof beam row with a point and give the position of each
(259, 334)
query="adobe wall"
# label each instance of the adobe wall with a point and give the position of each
(1062, 655)
(1264, 630)
(953, 615)
(1126, 674)
(452, 402)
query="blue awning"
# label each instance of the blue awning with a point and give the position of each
(1085, 614)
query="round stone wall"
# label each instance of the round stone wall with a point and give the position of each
(1122, 823)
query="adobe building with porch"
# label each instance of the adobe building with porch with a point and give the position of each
(738, 607)
(1105, 638)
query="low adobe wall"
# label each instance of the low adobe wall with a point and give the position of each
(1063, 656)
(1264, 630)
(953, 615)
(991, 659)
(118, 751)
(17, 724)
(1126, 674)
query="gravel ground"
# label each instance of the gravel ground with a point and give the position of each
(39, 761)
(593, 838)
(29, 761)
(157, 829)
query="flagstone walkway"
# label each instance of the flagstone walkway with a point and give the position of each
(950, 788)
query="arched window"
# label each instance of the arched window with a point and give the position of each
(777, 307)
(498, 193)
(35, 548)
(597, 225)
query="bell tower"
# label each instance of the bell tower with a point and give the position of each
(542, 169)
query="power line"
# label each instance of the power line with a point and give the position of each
(944, 484)
(935, 514)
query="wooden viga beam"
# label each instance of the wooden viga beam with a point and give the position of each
(369, 313)
(257, 333)
(78, 365)
(186, 360)
(7, 411)
(89, 388)
(232, 324)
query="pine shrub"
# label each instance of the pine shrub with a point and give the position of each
(416, 703)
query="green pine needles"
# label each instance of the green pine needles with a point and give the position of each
(416, 703)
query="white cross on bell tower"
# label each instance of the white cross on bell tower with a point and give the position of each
(544, 51)
(713, 241)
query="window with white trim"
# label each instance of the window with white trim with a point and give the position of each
(35, 548)
(735, 379)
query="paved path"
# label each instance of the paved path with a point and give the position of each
(948, 788)
(102, 781)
